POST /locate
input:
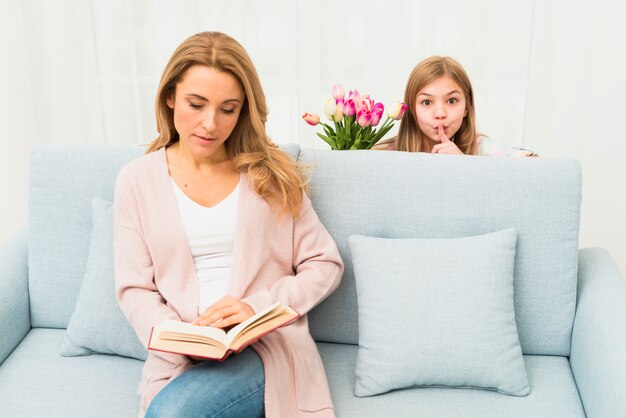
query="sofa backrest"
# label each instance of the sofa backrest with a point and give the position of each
(63, 181)
(387, 194)
(417, 195)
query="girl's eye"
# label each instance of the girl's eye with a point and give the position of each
(195, 106)
(426, 102)
(453, 100)
(228, 111)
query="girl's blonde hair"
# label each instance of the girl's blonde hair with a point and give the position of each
(275, 176)
(410, 136)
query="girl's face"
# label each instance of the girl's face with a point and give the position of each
(440, 103)
(206, 105)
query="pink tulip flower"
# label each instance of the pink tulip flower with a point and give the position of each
(364, 118)
(367, 102)
(397, 111)
(339, 103)
(349, 108)
(311, 118)
(338, 92)
(356, 96)
(402, 110)
(377, 113)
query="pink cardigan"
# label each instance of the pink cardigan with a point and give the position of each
(294, 261)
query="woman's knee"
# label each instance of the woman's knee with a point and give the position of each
(210, 389)
(176, 404)
(164, 407)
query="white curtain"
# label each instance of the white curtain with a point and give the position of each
(94, 65)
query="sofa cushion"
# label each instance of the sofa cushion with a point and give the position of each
(553, 393)
(98, 324)
(37, 382)
(437, 312)
(396, 195)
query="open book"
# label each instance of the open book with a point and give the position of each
(215, 343)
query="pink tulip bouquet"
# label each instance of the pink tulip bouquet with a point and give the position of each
(355, 119)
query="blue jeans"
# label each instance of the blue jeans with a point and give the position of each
(231, 388)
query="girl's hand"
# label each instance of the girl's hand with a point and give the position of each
(226, 312)
(446, 146)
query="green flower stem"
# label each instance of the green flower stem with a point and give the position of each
(386, 126)
(348, 135)
(357, 142)
(331, 136)
(348, 128)
(328, 140)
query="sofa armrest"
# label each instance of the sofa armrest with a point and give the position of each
(598, 356)
(14, 301)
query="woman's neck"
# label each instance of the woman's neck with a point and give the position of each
(182, 156)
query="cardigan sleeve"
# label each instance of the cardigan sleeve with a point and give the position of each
(316, 262)
(136, 292)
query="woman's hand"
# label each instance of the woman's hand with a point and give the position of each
(226, 312)
(446, 146)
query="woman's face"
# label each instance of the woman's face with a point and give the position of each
(440, 103)
(206, 105)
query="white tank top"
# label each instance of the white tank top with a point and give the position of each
(210, 232)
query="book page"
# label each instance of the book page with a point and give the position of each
(212, 349)
(267, 320)
(232, 333)
(183, 331)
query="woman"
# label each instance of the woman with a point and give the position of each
(441, 117)
(213, 225)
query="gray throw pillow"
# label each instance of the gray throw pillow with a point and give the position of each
(437, 312)
(97, 324)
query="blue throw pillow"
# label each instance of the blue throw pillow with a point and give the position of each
(437, 312)
(98, 324)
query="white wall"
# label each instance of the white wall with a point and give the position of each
(577, 106)
(549, 75)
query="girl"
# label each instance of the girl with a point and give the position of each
(441, 118)
(211, 225)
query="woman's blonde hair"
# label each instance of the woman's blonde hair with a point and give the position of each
(275, 176)
(410, 136)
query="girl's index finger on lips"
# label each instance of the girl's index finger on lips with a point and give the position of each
(442, 134)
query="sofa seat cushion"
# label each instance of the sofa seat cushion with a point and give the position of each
(36, 381)
(553, 392)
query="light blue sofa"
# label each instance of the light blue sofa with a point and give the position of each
(570, 304)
